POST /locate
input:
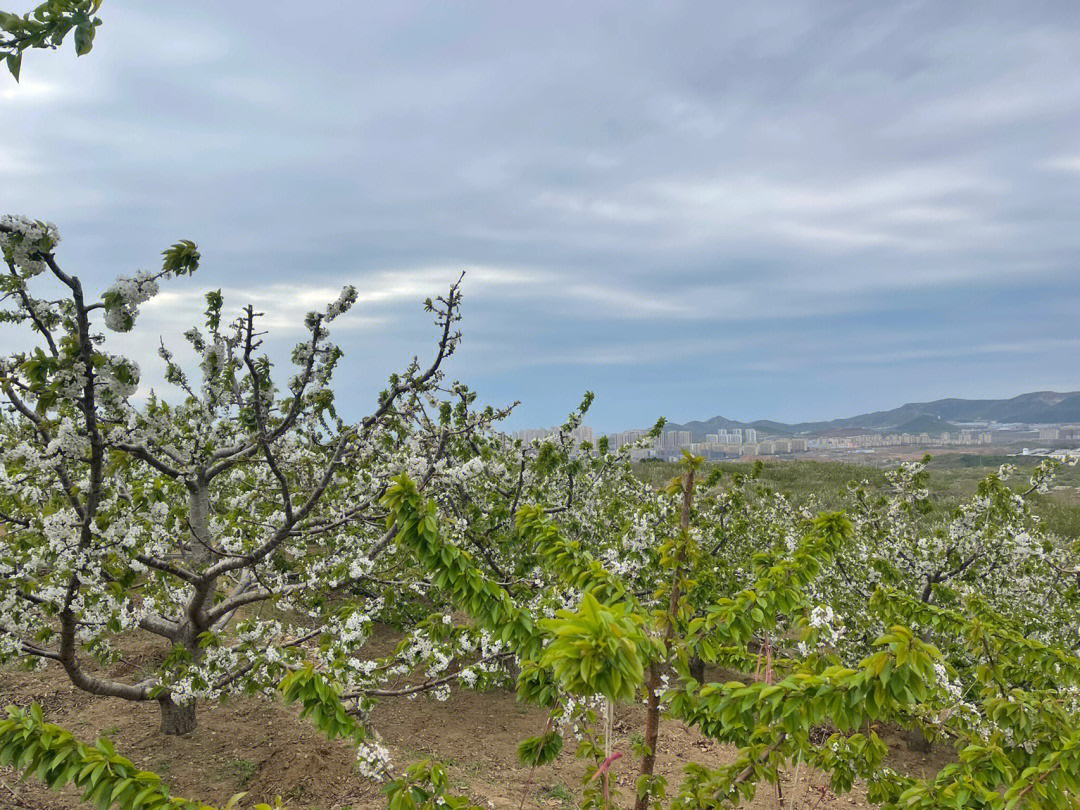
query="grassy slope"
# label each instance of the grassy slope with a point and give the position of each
(954, 477)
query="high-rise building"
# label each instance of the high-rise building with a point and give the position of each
(582, 433)
(531, 434)
(669, 440)
(750, 435)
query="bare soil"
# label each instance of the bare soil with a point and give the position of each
(255, 745)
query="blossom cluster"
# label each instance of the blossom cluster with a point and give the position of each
(125, 296)
(24, 243)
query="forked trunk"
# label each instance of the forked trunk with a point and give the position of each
(177, 718)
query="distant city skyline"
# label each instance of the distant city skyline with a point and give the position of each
(1049, 440)
(788, 210)
(669, 445)
(1028, 408)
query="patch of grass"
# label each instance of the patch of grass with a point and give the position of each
(465, 766)
(111, 731)
(798, 479)
(559, 792)
(1060, 514)
(240, 771)
(296, 793)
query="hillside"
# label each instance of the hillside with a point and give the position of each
(1039, 407)
(927, 424)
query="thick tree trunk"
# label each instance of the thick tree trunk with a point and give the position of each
(199, 522)
(916, 741)
(697, 669)
(177, 718)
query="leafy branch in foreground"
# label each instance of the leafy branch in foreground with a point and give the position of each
(30, 745)
(1012, 721)
(56, 758)
(46, 27)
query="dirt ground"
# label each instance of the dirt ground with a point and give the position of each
(264, 748)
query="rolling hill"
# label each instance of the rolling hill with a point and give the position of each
(1039, 407)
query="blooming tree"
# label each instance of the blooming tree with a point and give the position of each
(546, 559)
(1013, 722)
(179, 517)
(991, 545)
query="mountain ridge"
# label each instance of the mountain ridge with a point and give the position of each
(1036, 407)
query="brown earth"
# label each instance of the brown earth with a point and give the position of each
(263, 747)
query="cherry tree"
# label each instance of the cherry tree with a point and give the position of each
(1013, 723)
(991, 545)
(180, 516)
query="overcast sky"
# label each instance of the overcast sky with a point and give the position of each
(790, 211)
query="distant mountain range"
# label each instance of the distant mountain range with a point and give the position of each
(1040, 407)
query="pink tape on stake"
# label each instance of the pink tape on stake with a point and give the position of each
(603, 769)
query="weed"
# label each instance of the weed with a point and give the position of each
(240, 771)
(561, 793)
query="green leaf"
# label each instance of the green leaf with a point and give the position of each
(84, 39)
(14, 63)
(536, 751)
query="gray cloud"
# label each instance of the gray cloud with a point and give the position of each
(787, 210)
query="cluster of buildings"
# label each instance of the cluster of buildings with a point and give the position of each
(734, 436)
(740, 442)
(625, 437)
(580, 434)
(743, 442)
(1055, 433)
(874, 440)
(732, 443)
(670, 444)
(1060, 433)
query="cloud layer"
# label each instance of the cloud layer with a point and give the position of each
(790, 210)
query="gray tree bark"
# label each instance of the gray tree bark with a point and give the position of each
(177, 718)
